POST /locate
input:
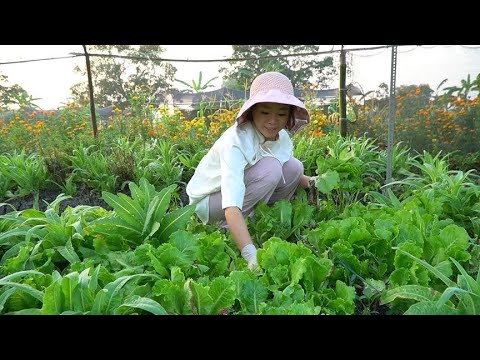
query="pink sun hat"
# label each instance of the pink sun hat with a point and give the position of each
(277, 88)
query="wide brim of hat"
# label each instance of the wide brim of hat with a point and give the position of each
(301, 114)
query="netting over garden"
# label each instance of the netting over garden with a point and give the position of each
(102, 224)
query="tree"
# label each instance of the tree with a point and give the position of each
(464, 90)
(197, 86)
(299, 69)
(13, 95)
(117, 79)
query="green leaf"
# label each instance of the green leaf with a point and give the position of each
(20, 274)
(5, 237)
(37, 231)
(27, 312)
(222, 292)
(69, 283)
(462, 295)
(344, 303)
(291, 294)
(473, 286)
(239, 279)
(373, 287)
(175, 221)
(4, 297)
(455, 240)
(169, 256)
(106, 296)
(413, 292)
(185, 243)
(124, 208)
(305, 308)
(154, 229)
(327, 181)
(467, 305)
(174, 295)
(83, 298)
(297, 270)
(92, 286)
(381, 199)
(116, 226)
(68, 252)
(158, 265)
(285, 213)
(99, 302)
(442, 277)
(393, 199)
(430, 308)
(53, 303)
(201, 301)
(183, 82)
(445, 267)
(37, 294)
(316, 271)
(302, 215)
(252, 294)
(150, 218)
(136, 193)
(409, 232)
(146, 304)
(164, 195)
(134, 207)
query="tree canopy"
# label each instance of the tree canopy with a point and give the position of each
(13, 95)
(314, 69)
(118, 79)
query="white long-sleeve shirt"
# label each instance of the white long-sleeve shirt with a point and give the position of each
(222, 168)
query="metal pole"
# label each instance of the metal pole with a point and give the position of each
(90, 91)
(391, 118)
(343, 94)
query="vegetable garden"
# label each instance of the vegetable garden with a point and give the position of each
(103, 226)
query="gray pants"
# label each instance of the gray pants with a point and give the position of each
(263, 181)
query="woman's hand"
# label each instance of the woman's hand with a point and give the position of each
(239, 231)
(249, 253)
(308, 182)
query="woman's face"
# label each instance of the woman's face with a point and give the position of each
(270, 118)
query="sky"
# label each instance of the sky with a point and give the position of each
(50, 81)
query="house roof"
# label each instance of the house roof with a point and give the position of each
(224, 95)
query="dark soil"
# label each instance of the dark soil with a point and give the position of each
(84, 196)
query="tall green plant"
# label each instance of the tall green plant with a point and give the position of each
(27, 172)
(197, 87)
(430, 302)
(142, 217)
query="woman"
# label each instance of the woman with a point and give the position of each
(252, 161)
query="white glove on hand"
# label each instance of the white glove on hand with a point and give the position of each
(312, 181)
(249, 253)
